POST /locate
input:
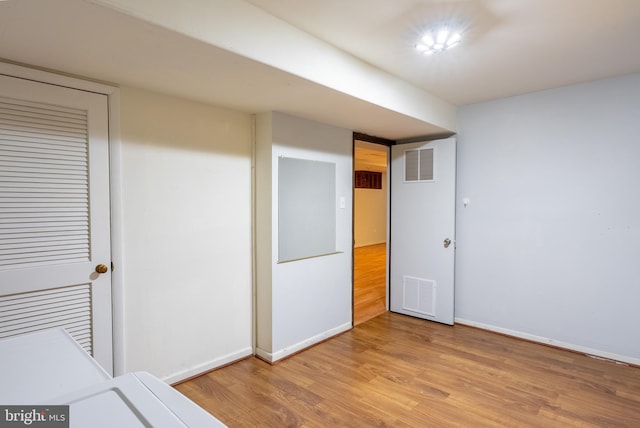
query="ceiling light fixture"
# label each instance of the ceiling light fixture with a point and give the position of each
(438, 40)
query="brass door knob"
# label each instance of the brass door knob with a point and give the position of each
(102, 268)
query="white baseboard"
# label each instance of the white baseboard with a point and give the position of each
(272, 357)
(366, 244)
(207, 366)
(539, 339)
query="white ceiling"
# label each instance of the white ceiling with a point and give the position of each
(510, 47)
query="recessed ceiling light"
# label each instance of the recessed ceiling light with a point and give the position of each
(438, 40)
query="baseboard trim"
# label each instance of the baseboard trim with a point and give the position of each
(272, 357)
(552, 342)
(208, 366)
(368, 244)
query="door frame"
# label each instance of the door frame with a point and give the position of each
(115, 185)
(383, 142)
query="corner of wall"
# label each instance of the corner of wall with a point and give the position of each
(263, 251)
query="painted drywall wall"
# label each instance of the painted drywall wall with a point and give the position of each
(548, 245)
(186, 174)
(370, 215)
(264, 218)
(305, 301)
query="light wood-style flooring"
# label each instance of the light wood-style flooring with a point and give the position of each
(397, 371)
(369, 282)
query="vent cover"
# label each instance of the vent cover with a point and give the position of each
(68, 307)
(44, 208)
(419, 165)
(419, 295)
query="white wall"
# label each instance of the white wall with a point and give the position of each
(186, 174)
(305, 301)
(548, 246)
(370, 215)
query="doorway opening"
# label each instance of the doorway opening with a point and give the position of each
(370, 227)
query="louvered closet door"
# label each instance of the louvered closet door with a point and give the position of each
(54, 213)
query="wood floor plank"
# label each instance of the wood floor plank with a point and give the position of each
(369, 282)
(397, 371)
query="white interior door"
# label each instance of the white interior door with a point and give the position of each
(54, 213)
(422, 229)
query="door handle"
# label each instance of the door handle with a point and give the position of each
(447, 242)
(102, 268)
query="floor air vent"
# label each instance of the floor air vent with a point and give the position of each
(419, 295)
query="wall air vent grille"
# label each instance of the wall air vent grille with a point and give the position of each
(419, 165)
